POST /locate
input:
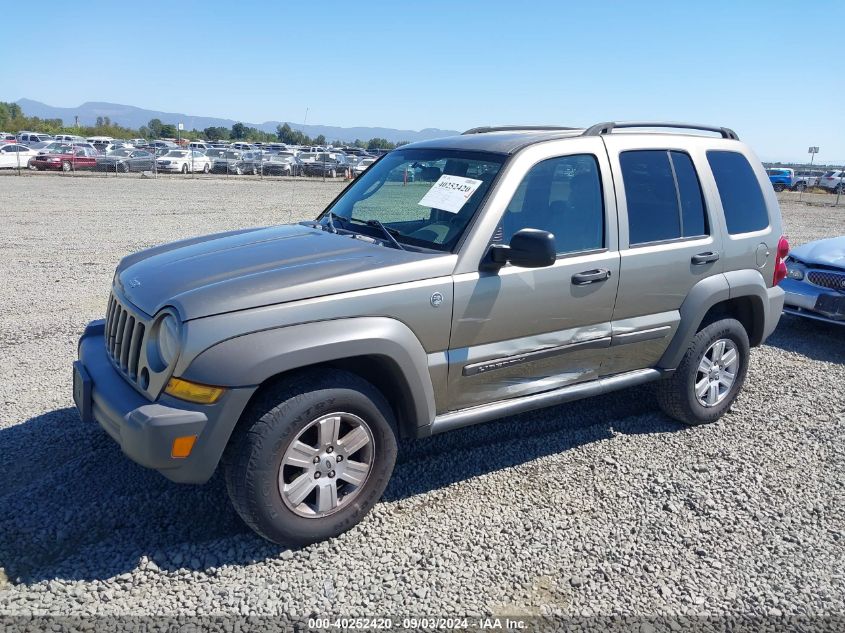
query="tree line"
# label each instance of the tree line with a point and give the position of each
(13, 120)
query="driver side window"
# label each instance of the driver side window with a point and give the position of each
(562, 196)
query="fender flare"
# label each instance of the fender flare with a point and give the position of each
(250, 359)
(707, 293)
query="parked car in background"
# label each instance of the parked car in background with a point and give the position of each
(815, 280)
(185, 161)
(55, 145)
(138, 142)
(6, 137)
(14, 155)
(328, 164)
(126, 160)
(806, 180)
(362, 165)
(27, 138)
(781, 178)
(66, 158)
(236, 162)
(832, 181)
(200, 145)
(281, 164)
(69, 138)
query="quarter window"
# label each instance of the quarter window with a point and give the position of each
(562, 196)
(742, 198)
(663, 196)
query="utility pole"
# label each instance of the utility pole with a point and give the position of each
(812, 151)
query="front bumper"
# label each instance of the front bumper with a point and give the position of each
(145, 430)
(814, 302)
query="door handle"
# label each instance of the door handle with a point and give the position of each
(590, 276)
(705, 258)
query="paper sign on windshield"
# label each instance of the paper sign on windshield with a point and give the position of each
(450, 193)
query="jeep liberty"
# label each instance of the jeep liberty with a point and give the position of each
(455, 281)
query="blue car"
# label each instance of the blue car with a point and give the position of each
(782, 178)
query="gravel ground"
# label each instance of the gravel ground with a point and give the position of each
(598, 507)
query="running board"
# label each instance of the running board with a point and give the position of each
(486, 412)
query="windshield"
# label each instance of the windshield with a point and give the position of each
(425, 197)
(177, 153)
(120, 152)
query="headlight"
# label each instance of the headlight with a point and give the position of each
(164, 343)
(794, 273)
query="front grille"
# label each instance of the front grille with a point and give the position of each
(124, 337)
(826, 279)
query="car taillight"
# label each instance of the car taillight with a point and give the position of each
(780, 261)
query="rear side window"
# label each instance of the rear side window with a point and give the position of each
(663, 196)
(742, 199)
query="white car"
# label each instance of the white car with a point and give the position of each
(15, 155)
(833, 180)
(362, 165)
(184, 160)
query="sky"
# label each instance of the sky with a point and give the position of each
(772, 71)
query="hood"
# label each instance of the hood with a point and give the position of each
(828, 252)
(257, 267)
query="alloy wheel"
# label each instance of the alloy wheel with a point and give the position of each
(326, 466)
(716, 372)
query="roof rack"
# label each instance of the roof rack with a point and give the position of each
(518, 128)
(606, 128)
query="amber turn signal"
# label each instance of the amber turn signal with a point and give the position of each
(182, 446)
(193, 391)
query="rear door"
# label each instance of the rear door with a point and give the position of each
(668, 242)
(518, 331)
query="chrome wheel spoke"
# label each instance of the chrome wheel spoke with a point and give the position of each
(701, 387)
(729, 358)
(299, 488)
(355, 440)
(329, 429)
(713, 393)
(300, 454)
(705, 365)
(718, 350)
(354, 472)
(327, 497)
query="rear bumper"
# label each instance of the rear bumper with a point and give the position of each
(802, 299)
(774, 309)
(145, 430)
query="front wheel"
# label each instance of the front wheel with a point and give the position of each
(800, 187)
(206, 169)
(185, 168)
(124, 167)
(66, 166)
(311, 458)
(779, 188)
(710, 375)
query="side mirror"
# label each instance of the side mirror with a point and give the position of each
(528, 248)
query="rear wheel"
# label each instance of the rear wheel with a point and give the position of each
(779, 187)
(710, 375)
(206, 169)
(332, 174)
(124, 167)
(185, 168)
(66, 166)
(310, 459)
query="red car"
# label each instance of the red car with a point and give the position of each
(66, 158)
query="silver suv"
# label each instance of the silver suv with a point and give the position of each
(455, 281)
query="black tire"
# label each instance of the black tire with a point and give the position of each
(67, 166)
(239, 171)
(124, 167)
(332, 174)
(254, 170)
(253, 458)
(779, 187)
(185, 168)
(206, 169)
(676, 394)
(800, 187)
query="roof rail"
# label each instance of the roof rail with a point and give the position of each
(517, 128)
(606, 128)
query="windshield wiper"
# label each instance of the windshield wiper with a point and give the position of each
(330, 216)
(388, 233)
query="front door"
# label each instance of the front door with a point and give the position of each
(519, 331)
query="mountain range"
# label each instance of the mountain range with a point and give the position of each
(134, 117)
